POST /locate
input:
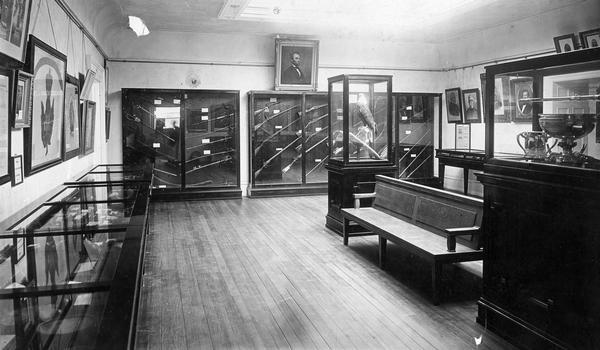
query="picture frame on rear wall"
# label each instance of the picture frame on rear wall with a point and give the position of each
(453, 106)
(89, 125)
(296, 64)
(472, 105)
(72, 124)
(590, 38)
(565, 43)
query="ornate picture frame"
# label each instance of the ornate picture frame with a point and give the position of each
(15, 26)
(6, 81)
(521, 88)
(590, 38)
(296, 64)
(22, 101)
(72, 120)
(89, 125)
(565, 43)
(43, 139)
(453, 105)
(472, 105)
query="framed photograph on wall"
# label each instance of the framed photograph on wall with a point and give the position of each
(590, 38)
(472, 105)
(14, 19)
(453, 105)
(72, 122)
(16, 170)
(296, 64)
(521, 93)
(43, 140)
(565, 43)
(6, 76)
(89, 121)
(23, 92)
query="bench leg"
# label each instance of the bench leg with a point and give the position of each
(346, 230)
(382, 251)
(436, 279)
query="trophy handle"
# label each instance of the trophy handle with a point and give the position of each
(551, 147)
(519, 141)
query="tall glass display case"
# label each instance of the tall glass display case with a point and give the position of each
(415, 115)
(360, 134)
(288, 142)
(541, 201)
(190, 138)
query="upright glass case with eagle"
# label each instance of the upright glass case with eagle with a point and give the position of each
(360, 134)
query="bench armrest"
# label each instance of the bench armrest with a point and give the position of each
(458, 231)
(359, 196)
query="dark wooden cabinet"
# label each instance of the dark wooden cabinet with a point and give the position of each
(542, 256)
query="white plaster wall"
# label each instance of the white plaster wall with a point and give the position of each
(245, 62)
(50, 24)
(471, 53)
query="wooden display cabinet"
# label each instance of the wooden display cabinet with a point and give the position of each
(360, 134)
(541, 223)
(288, 142)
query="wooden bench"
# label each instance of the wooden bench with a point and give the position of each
(440, 226)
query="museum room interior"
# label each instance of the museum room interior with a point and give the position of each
(278, 174)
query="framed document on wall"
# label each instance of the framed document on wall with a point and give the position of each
(5, 85)
(463, 136)
(43, 140)
(17, 170)
(72, 127)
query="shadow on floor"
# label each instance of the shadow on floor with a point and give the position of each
(415, 273)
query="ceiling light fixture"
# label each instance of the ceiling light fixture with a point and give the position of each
(276, 10)
(137, 25)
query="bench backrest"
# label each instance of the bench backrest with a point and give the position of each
(428, 207)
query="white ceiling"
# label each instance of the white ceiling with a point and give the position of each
(418, 20)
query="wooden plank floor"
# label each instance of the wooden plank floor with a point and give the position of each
(265, 273)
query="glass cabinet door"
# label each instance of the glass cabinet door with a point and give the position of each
(276, 138)
(190, 136)
(210, 138)
(316, 147)
(151, 121)
(415, 115)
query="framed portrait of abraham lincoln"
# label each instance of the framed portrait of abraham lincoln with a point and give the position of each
(296, 64)
(44, 138)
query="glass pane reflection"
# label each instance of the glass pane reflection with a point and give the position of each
(63, 321)
(77, 217)
(118, 192)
